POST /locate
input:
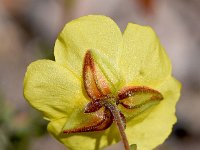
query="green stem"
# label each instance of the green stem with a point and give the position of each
(119, 121)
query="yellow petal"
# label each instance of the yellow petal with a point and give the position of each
(143, 60)
(85, 140)
(52, 89)
(97, 33)
(155, 128)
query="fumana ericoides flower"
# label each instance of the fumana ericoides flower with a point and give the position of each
(104, 86)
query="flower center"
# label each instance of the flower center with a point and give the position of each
(103, 108)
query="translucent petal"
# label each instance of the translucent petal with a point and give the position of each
(52, 89)
(155, 128)
(97, 33)
(143, 60)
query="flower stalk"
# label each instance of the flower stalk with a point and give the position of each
(119, 121)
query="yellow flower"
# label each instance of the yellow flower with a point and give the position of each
(129, 66)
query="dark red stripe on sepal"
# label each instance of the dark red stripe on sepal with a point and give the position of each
(137, 96)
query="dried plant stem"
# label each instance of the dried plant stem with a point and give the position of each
(119, 121)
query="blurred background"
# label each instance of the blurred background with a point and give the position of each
(28, 29)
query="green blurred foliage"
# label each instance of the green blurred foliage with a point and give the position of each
(133, 147)
(17, 129)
